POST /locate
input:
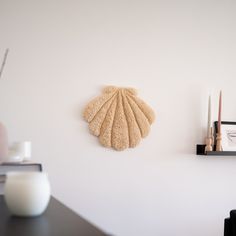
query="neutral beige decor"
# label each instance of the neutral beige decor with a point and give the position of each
(119, 118)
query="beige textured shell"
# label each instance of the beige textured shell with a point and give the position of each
(119, 118)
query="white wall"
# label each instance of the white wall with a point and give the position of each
(175, 53)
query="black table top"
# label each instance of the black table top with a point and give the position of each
(57, 220)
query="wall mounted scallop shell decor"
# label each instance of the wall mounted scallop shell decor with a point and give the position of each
(119, 118)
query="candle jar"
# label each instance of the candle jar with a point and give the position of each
(27, 193)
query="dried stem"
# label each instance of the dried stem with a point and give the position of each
(4, 62)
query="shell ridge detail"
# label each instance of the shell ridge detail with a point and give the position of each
(105, 136)
(95, 105)
(96, 123)
(112, 135)
(113, 118)
(119, 132)
(125, 115)
(112, 97)
(134, 116)
(142, 120)
(138, 101)
(134, 129)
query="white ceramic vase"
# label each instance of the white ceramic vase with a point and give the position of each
(27, 193)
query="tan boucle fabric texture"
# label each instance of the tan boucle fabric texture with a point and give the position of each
(119, 118)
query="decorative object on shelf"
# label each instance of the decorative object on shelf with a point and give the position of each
(209, 139)
(224, 140)
(13, 157)
(19, 151)
(119, 118)
(228, 130)
(22, 150)
(218, 134)
(212, 138)
(228, 134)
(27, 149)
(3, 143)
(27, 193)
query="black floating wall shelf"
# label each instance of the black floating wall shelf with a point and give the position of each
(200, 150)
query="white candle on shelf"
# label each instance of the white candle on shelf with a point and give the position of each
(23, 149)
(219, 114)
(27, 150)
(218, 136)
(209, 140)
(209, 118)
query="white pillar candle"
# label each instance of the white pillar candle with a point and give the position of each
(27, 150)
(219, 113)
(23, 149)
(209, 118)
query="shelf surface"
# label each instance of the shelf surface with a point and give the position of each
(200, 150)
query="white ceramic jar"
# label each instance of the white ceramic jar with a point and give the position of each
(27, 193)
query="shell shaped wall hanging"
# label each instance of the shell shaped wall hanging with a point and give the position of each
(119, 118)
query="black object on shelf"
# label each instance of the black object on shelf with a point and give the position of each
(230, 224)
(200, 150)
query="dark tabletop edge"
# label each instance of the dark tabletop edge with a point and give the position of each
(85, 219)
